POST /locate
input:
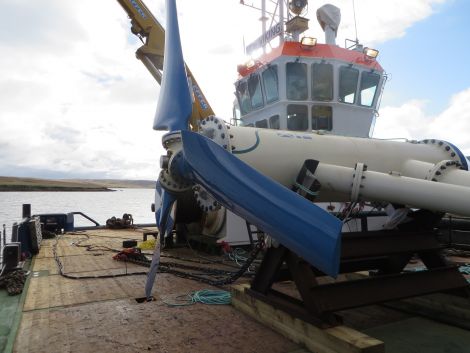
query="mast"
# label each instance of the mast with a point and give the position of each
(263, 22)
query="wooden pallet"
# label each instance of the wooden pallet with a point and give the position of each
(330, 340)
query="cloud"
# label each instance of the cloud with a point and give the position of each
(410, 121)
(75, 101)
(47, 24)
(379, 21)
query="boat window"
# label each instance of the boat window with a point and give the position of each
(243, 98)
(322, 82)
(297, 117)
(270, 82)
(369, 83)
(236, 112)
(347, 84)
(322, 117)
(262, 124)
(274, 122)
(296, 81)
(254, 88)
(248, 125)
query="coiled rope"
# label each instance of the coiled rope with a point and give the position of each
(204, 296)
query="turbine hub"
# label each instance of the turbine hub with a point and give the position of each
(171, 176)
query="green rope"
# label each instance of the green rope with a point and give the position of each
(306, 190)
(205, 296)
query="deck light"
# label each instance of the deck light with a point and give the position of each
(308, 42)
(250, 63)
(371, 53)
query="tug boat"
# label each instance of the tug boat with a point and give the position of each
(302, 85)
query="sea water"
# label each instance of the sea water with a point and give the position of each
(98, 205)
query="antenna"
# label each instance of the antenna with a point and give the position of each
(355, 23)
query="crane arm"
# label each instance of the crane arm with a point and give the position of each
(151, 53)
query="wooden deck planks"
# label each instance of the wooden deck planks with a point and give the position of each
(331, 340)
(55, 291)
(125, 326)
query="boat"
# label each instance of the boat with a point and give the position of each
(325, 264)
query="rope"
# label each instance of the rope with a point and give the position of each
(305, 189)
(60, 266)
(464, 269)
(13, 281)
(204, 296)
(220, 277)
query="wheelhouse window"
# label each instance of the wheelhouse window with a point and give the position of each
(254, 89)
(348, 84)
(262, 124)
(322, 82)
(297, 117)
(270, 82)
(368, 88)
(322, 117)
(296, 82)
(243, 98)
(236, 112)
(274, 122)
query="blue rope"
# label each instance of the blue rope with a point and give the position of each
(465, 269)
(212, 297)
(204, 296)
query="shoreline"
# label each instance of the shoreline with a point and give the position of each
(27, 188)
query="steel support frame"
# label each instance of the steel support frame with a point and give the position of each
(384, 254)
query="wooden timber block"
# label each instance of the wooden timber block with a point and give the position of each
(339, 339)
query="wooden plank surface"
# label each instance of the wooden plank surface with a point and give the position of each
(102, 315)
(87, 264)
(331, 340)
(55, 291)
(125, 326)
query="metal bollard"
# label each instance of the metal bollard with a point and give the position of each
(26, 210)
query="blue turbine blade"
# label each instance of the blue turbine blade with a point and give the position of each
(163, 214)
(165, 225)
(174, 103)
(301, 226)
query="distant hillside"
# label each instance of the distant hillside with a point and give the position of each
(119, 183)
(35, 184)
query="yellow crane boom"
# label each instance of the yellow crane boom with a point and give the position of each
(151, 53)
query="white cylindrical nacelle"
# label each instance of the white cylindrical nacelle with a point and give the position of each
(396, 189)
(426, 174)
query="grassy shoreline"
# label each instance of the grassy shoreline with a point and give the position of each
(35, 184)
(7, 188)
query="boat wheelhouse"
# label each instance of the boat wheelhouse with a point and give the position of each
(305, 86)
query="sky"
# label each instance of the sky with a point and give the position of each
(76, 103)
